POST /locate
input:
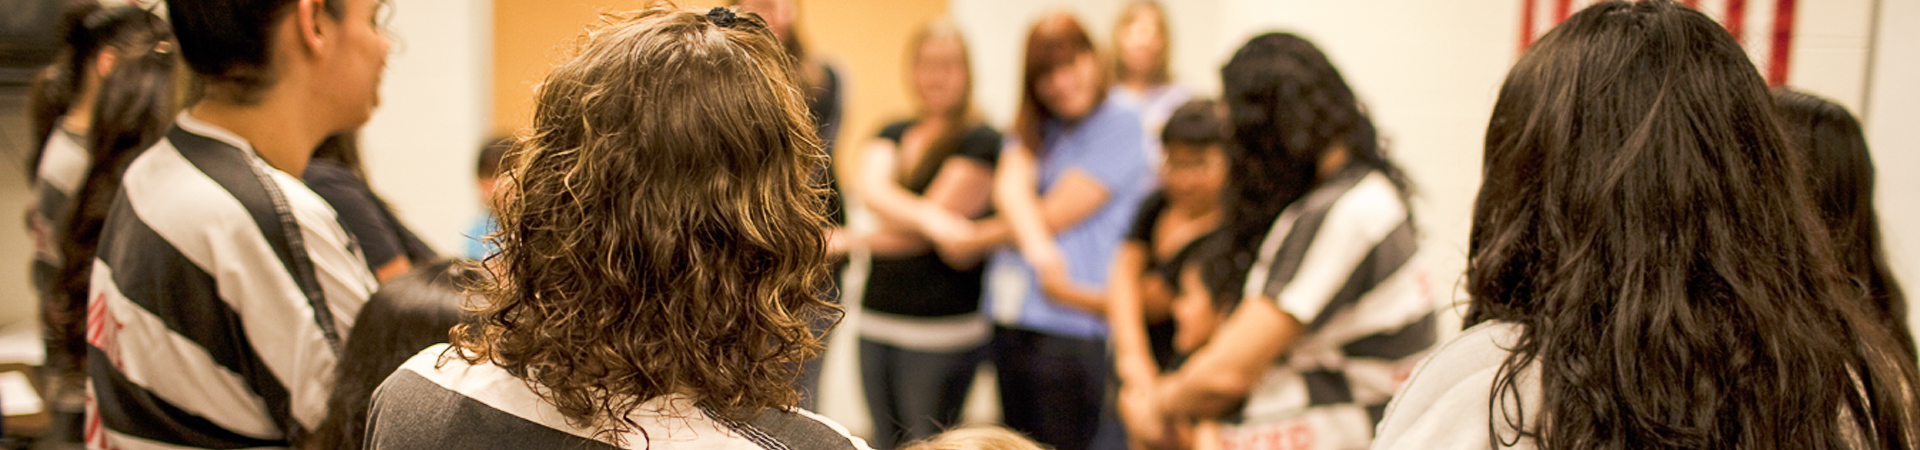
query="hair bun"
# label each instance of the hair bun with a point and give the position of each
(722, 16)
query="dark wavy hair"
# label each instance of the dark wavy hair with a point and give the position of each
(1054, 42)
(1842, 173)
(1644, 222)
(88, 28)
(658, 232)
(133, 109)
(411, 312)
(1287, 106)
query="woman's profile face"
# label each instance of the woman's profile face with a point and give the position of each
(1070, 90)
(940, 74)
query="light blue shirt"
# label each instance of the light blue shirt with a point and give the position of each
(477, 246)
(1106, 145)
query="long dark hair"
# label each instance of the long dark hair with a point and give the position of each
(1842, 173)
(88, 28)
(1288, 106)
(133, 110)
(1643, 221)
(410, 312)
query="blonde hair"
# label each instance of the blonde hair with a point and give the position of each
(983, 437)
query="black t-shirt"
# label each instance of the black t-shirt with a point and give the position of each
(922, 285)
(381, 236)
(1160, 334)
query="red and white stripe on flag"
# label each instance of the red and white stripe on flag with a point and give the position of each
(1764, 27)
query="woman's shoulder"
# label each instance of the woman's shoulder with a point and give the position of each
(1447, 401)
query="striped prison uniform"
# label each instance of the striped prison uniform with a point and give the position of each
(436, 401)
(1341, 261)
(221, 292)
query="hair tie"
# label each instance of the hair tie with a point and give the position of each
(722, 16)
(163, 47)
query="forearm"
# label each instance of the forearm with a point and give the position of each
(1125, 320)
(889, 241)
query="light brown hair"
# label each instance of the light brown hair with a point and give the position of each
(985, 437)
(1157, 73)
(658, 231)
(1056, 41)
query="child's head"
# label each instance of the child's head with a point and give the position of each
(985, 437)
(411, 312)
(1195, 140)
(493, 161)
(661, 218)
(1203, 295)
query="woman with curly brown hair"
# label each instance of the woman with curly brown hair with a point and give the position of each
(660, 259)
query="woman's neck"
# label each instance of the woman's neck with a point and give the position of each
(1138, 85)
(79, 118)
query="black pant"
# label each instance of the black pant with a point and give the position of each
(912, 394)
(1051, 387)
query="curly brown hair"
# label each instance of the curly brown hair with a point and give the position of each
(658, 231)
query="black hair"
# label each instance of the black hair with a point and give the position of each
(1644, 223)
(493, 157)
(88, 28)
(227, 41)
(133, 110)
(411, 312)
(1199, 123)
(343, 148)
(1842, 173)
(1287, 106)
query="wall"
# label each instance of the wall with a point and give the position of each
(1892, 116)
(419, 147)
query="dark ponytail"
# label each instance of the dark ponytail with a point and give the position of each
(133, 110)
(88, 28)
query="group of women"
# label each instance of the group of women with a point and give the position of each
(1649, 265)
(1663, 254)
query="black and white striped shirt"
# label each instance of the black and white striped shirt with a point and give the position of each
(63, 168)
(219, 294)
(436, 402)
(1341, 260)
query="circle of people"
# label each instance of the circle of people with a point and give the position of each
(1664, 253)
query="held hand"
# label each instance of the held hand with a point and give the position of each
(945, 228)
(1142, 419)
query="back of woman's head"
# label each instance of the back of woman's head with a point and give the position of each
(410, 312)
(1287, 107)
(1643, 220)
(1056, 41)
(1842, 176)
(658, 229)
(88, 29)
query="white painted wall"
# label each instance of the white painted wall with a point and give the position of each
(1892, 119)
(436, 100)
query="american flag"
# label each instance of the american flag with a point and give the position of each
(1764, 27)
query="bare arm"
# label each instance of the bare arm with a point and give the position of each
(1220, 374)
(959, 190)
(1126, 321)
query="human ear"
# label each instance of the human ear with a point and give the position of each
(103, 62)
(307, 21)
